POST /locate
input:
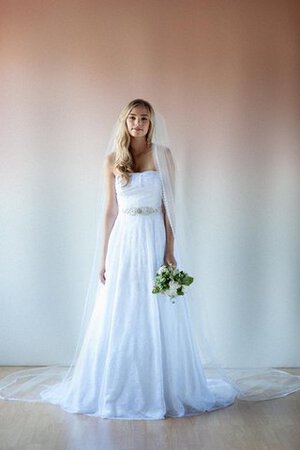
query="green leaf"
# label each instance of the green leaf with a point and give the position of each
(187, 280)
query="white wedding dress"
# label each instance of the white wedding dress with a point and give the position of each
(139, 358)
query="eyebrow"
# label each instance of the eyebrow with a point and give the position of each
(132, 114)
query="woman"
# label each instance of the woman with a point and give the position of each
(138, 358)
(137, 130)
(131, 363)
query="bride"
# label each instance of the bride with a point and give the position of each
(137, 356)
(137, 131)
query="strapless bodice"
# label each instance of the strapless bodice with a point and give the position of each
(143, 189)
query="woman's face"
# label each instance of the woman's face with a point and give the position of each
(138, 121)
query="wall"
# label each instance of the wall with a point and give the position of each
(226, 77)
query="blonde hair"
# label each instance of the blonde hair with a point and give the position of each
(123, 163)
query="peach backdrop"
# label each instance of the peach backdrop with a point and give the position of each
(226, 77)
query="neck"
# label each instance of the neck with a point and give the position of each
(138, 146)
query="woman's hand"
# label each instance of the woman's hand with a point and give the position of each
(170, 260)
(102, 274)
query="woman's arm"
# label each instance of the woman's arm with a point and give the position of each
(111, 209)
(169, 250)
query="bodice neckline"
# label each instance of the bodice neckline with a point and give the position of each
(144, 171)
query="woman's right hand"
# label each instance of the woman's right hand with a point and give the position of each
(102, 275)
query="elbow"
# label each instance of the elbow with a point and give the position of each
(111, 213)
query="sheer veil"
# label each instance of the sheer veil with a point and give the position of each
(49, 383)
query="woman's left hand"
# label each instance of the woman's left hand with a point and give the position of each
(170, 260)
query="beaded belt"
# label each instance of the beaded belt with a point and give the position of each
(141, 210)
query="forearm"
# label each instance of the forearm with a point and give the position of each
(108, 223)
(170, 242)
(169, 234)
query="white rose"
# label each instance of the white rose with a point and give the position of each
(172, 291)
(161, 269)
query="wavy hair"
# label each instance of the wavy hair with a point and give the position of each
(123, 163)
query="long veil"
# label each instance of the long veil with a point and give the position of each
(50, 383)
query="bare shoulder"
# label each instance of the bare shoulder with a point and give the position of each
(169, 154)
(165, 149)
(110, 158)
(109, 162)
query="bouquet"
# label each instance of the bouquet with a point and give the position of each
(171, 282)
